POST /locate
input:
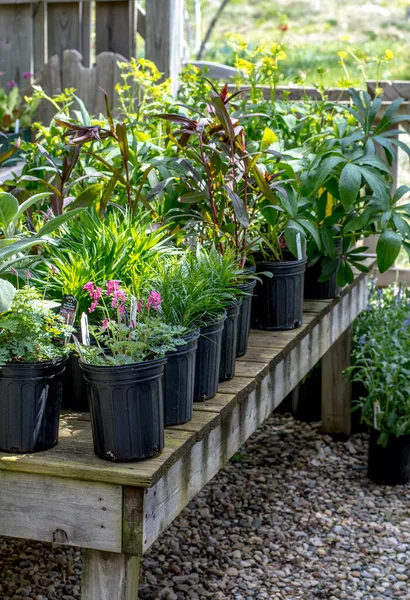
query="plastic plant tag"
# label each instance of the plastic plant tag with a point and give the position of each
(376, 412)
(133, 311)
(17, 126)
(85, 332)
(299, 246)
(68, 309)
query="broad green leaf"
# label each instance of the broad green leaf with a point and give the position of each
(8, 210)
(375, 181)
(349, 184)
(387, 250)
(55, 222)
(88, 197)
(238, 207)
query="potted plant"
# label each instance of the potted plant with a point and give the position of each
(15, 117)
(33, 353)
(124, 373)
(380, 362)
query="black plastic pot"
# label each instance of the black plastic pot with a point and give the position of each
(319, 290)
(127, 409)
(278, 300)
(389, 465)
(244, 318)
(6, 145)
(30, 402)
(208, 359)
(75, 391)
(180, 381)
(229, 342)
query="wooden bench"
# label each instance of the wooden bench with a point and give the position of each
(117, 511)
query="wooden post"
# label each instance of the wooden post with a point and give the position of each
(164, 35)
(109, 576)
(336, 389)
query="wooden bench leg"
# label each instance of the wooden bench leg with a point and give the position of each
(109, 576)
(336, 389)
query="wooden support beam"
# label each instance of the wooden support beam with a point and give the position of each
(109, 576)
(164, 36)
(336, 389)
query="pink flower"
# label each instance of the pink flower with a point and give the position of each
(13, 270)
(154, 300)
(11, 84)
(139, 305)
(54, 269)
(97, 294)
(93, 307)
(121, 309)
(113, 285)
(89, 287)
(119, 297)
(105, 324)
(27, 75)
(29, 275)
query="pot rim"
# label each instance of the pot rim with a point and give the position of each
(156, 362)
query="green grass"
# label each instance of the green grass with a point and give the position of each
(314, 36)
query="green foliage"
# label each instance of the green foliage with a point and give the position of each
(381, 361)
(29, 331)
(7, 292)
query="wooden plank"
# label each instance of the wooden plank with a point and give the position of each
(200, 424)
(86, 32)
(108, 576)
(164, 36)
(16, 42)
(113, 28)
(336, 389)
(107, 77)
(83, 79)
(133, 518)
(61, 510)
(141, 22)
(63, 27)
(39, 15)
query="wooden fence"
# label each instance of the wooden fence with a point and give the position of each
(32, 32)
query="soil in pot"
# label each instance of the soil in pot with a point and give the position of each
(389, 465)
(180, 382)
(127, 409)
(244, 318)
(229, 342)
(208, 359)
(278, 300)
(30, 402)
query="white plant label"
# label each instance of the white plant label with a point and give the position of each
(17, 126)
(299, 246)
(133, 311)
(85, 332)
(376, 412)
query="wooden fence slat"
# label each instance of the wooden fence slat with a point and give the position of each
(164, 35)
(39, 15)
(83, 79)
(63, 24)
(86, 31)
(115, 27)
(15, 42)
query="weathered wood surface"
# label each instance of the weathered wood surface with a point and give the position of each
(108, 576)
(336, 389)
(54, 509)
(277, 362)
(164, 35)
(15, 42)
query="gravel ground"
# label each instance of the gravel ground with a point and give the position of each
(293, 516)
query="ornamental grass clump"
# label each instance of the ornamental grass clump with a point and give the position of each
(30, 332)
(131, 330)
(381, 362)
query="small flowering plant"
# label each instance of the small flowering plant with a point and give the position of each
(15, 106)
(381, 362)
(30, 331)
(131, 329)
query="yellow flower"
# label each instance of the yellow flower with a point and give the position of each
(342, 54)
(388, 55)
(236, 41)
(245, 66)
(345, 38)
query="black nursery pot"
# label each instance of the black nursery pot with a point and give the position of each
(229, 342)
(127, 412)
(75, 390)
(389, 465)
(30, 402)
(208, 359)
(319, 290)
(278, 300)
(244, 318)
(180, 381)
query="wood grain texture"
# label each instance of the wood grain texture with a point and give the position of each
(53, 509)
(336, 389)
(108, 576)
(63, 27)
(113, 28)
(164, 35)
(15, 42)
